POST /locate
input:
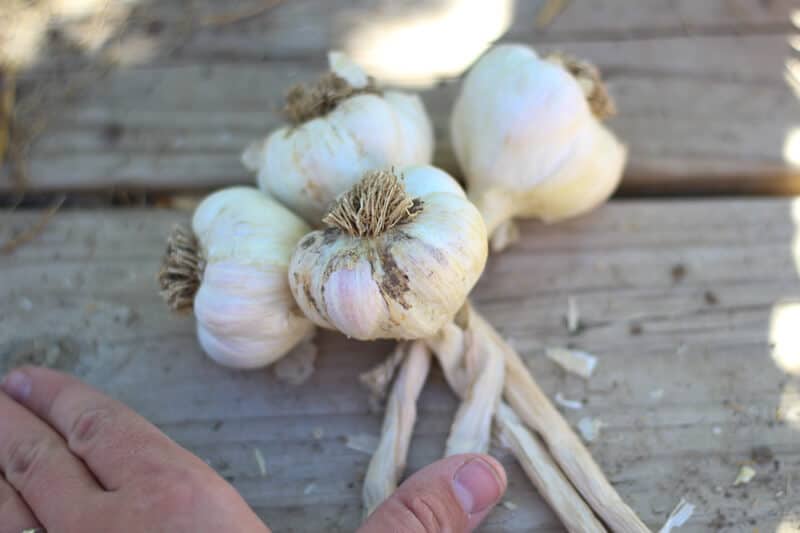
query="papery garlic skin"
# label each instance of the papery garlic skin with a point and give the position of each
(405, 283)
(246, 315)
(307, 166)
(527, 141)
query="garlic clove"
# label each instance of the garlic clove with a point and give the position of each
(583, 183)
(355, 303)
(244, 315)
(415, 139)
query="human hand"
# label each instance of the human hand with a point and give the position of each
(75, 460)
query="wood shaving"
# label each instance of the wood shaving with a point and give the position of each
(298, 365)
(589, 428)
(569, 404)
(548, 12)
(679, 516)
(573, 315)
(262, 465)
(362, 443)
(511, 506)
(656, 394)
(745, 476)
(574, 361)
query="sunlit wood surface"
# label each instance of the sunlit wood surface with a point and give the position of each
(692, 304)
(676, 299)
(166, 94)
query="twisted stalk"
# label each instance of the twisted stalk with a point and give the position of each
(537, 412)
(473, 364)
(389, 460)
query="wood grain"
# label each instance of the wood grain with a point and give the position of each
(675, 298)
(702, 89)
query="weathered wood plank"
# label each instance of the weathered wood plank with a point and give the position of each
(702, 89)
(675, 299)
(699, 115)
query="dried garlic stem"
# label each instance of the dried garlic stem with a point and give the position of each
(535, 409)
(378, 378)
(475, 370)
(545, 474)
(456, 350)
(389, 460)
(504, 236)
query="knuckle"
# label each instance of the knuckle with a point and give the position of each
(25, 460)
(427, 515)
(87, 427)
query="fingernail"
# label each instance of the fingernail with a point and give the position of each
(17, 385)
(477, 486)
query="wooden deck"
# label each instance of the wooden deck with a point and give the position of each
(684, 300)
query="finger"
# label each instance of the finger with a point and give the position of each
(15, 516)
(35, 461)
(453, 495)
(117, 445)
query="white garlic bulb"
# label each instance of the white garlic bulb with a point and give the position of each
(340, 129)
(527, 140)
(233, 272)
(397, 260)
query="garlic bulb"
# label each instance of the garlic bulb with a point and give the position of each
(339, 130)
(397, 260)
(233, 271)
(527, 140)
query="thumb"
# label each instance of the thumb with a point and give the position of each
(452, 495)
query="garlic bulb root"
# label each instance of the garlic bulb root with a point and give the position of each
(397, 260)
(591, 81)
(306, 103)
(339, 129)
(389, 460)
(181, 270)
